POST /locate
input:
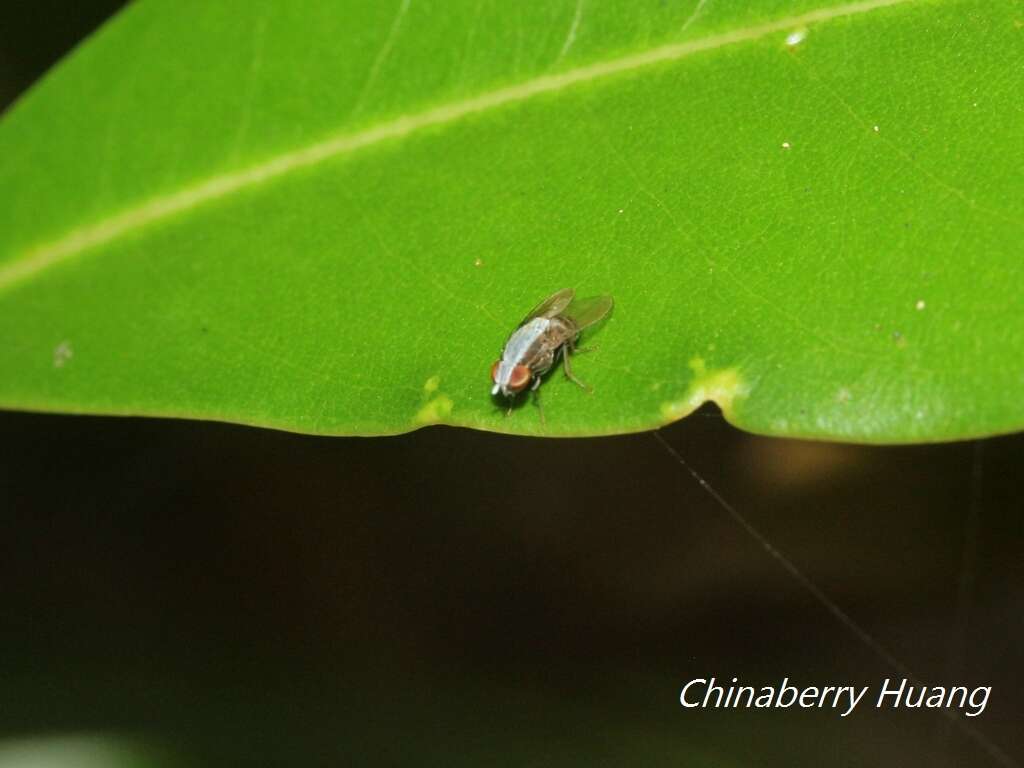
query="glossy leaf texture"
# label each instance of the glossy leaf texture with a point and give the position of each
(327, 216)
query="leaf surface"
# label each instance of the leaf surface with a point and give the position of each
(327, 217)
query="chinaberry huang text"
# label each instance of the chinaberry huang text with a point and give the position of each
(708, 693)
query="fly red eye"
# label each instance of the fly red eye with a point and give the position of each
(494, 370)
(519, 378)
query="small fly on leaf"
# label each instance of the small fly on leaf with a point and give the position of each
(551, 329)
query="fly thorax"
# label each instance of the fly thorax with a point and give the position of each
(525, 343)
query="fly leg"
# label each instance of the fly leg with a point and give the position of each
(567, 350)
(536, 399)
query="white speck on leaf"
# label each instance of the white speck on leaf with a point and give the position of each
(62, 353)
(876, 129)
(786, 145)
(920, 305)
(478, 262)
(796, 37)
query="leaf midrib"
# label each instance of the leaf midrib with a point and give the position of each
(40, 258)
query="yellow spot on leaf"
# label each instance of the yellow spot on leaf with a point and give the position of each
(435, 411)
(722, 386)
(437, 407)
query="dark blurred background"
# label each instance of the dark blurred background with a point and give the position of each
(181, 593)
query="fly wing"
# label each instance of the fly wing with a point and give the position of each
(551, 306)
(586, 312)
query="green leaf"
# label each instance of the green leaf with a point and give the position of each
(327, 217)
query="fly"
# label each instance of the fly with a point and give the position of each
(551, 329)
